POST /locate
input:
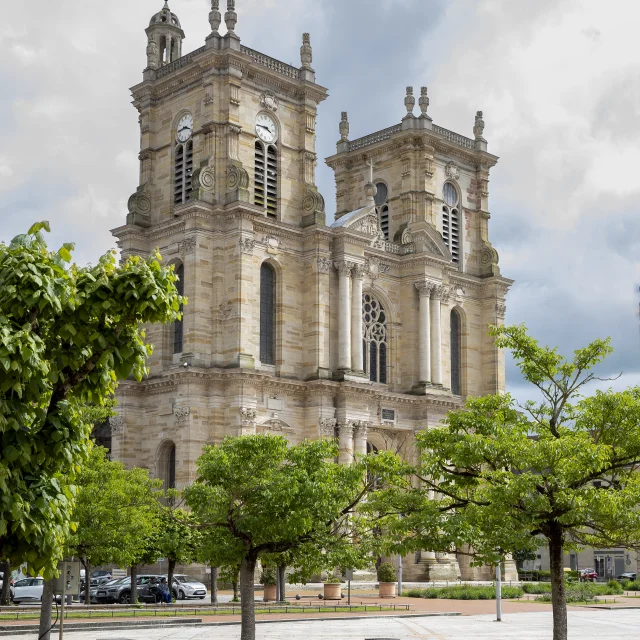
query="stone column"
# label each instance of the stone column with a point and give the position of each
(436, 334)
(345, 433)
(424, 337)
(344, 315)
(356, 318)
(168, 45)
(361, 429)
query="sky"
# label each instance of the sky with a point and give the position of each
(558, 82)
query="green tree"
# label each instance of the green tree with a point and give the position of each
(178, 539)
(116, 510)
(266, 498)
(222, 555)
(504, 474)
(67, 334)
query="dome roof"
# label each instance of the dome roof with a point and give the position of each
(165, 17)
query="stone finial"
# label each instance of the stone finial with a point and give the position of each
(409, 101)
(231, 17)
(215, 17)
(306, 52)
(153, 60)
(370, 191)
(344, 127)
(424, 102)
(478, 128)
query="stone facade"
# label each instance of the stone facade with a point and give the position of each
(370, 381)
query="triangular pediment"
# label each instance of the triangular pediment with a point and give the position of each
(425, 239)
(364, 220)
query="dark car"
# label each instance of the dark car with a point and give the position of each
(627, 576)
(120, 590)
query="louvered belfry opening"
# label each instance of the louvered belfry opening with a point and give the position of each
(183, 173)
(266, 178)
(267, 314)
(456, 353)
(382, 207)
(178, 325)
(451, 221)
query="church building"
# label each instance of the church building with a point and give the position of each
(367, 324)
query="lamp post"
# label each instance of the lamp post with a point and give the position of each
(498, 592)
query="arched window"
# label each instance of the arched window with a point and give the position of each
(266, 178)
(167, 465)
(456, 353)
(178, 325)
(267, 314)
(382, 207)
(451, 221)
(183, 171)
(374, 340)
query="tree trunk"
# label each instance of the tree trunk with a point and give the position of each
(247, 600)
(44, 632)
(283, 591)
(6, 583)
(558, 595)
(236, 593)
(172, 568)
(134, 584)
(87, 582)
(214, 585)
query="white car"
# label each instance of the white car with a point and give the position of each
(185, 587)
(28, 590)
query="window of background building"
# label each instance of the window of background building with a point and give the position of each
(178, 325)
(456, 353)
(266, 178)
(183, 172)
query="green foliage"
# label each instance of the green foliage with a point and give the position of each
(629, 585)
(178, 538)
(268, 577)
(506, 475)
(536, 587)
(387, 573)
(115, 514)
(465, 592)
(290, 504)
(583, 591)
(333, 580)
(67, 334)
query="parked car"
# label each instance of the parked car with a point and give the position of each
(120, 590)
(100, 577)
(185, 588)
(28, 590)
(588, 575)
(93, 590)
(627, 576)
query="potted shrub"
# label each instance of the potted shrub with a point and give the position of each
(268, 580)
(387, 578)
(332, 589)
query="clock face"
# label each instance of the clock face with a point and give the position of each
(185, 128)
(266, 128)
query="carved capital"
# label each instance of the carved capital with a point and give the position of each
(501, 310)
(358, 271)
(181, 415)
(117, 424)
(187, 246)
(248, 417)
(345, 428)
(425, 288)
(324, 265)
(327, 428)
(247, 245)
(440, 292)
(361, 428)
(344, 267)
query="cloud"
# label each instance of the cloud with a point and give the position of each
(558, 81)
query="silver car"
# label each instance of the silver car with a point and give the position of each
(29, 590)
(185, 587)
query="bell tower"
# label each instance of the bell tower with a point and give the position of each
(165, 38)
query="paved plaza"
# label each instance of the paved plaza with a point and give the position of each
(621, 624)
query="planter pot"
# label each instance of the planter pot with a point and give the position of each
(332, 591)
(387, 589)
(269, 592)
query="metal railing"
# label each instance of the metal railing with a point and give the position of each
(271, 63)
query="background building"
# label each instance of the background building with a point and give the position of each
(369, 329)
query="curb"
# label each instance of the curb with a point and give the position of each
(190, 622)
